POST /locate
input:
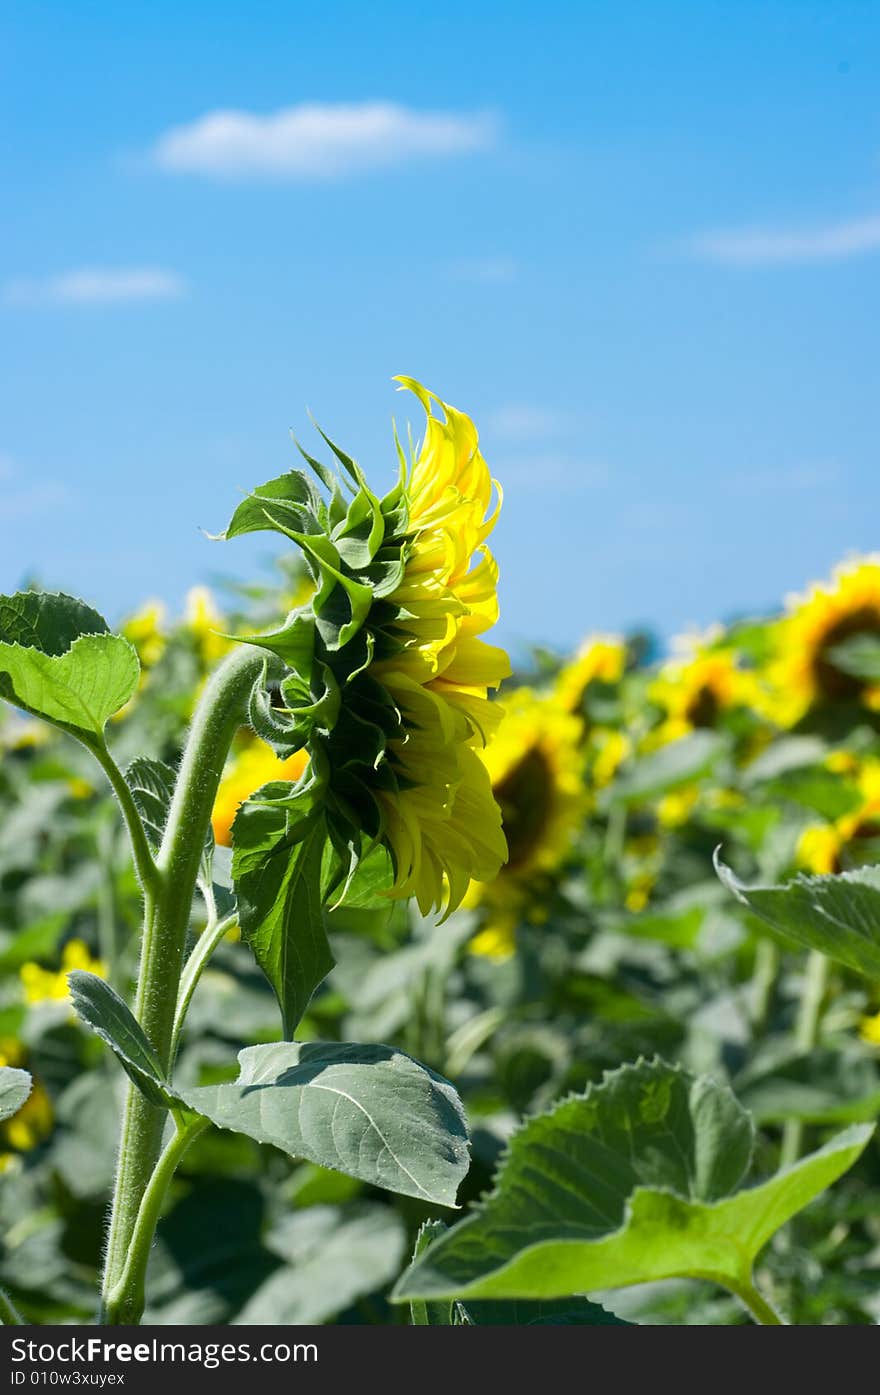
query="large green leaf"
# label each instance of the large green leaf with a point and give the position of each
(838, 915)
(58, 661)
(101, 1007)
(276, 871)
(626, 1184)
(332, 1256)
(15, 1086)
(369, 1111)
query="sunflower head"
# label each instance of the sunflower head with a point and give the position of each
(854, 836)
(536, 767)
(697, 689)
(813, 667)
(601, 658)
(387, 676)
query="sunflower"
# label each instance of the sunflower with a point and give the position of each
(827, 848)
(601, 658)
(389, 676)
(536, 766)
(254, 765)
(147, 632)
(807, 671)
(203, 622)
(697, 688)
(45, 985)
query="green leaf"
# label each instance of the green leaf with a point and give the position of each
(626, 1184)
(838, 915)
(333, 1256)
(15, 1086)
(58, 661)
(503, 1312)
(276, 870)
(102, 1009)
(859, 656)
(152, 786)
(368, 1111)
(676, 764)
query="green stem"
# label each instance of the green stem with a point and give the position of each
(9, 1314)
(202, 950)
(762, 1311)
(145, 866)
(763, 983)
(127, 1294)
(806, 1036)
(220, 712)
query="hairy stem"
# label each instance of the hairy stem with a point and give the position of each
(128, 1293)
(762, 1311)
(202, 950)
(220, 712)
(145, 866)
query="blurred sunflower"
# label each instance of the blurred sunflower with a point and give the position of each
(255, 764)
(203, 621)
(697, 689)
(46, 985)
(600, 658)
(829, 847)
(535, 763)
(807, 670)
(146, 631)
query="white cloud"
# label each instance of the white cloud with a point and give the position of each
(19, 501)
(318, 140)
(557, 472)
(516, 420)
(97, 285)
(485, 269)
(791, 479)
(767, 246)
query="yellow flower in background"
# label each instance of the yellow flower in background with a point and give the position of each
(43, 985)
(697, 689)
(869, 1029)
(441, 823)
(805, 671)
(254, 765)
(600, 657)
(675, 808)
(33, 1121)
(536, 768)
(821, 848)
(535, 763)
(146, 631)
(203, 619)
(638, 892)
(609, 749)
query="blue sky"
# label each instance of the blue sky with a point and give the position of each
(638, 242)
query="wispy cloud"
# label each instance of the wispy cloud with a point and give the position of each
(765, 246)
(516, 420)
(484, 269)
(786, 479)
(549, 471)
(318, 140)
(95, 286)
(20, 500)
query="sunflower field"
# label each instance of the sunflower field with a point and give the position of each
(347, 976)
